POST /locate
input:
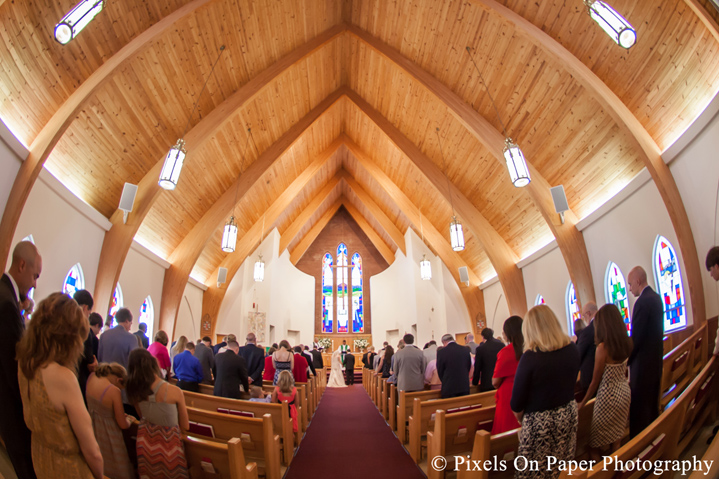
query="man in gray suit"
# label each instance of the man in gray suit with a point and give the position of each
(203, 352)
(409, 366)
(116, 343)
(469, 342)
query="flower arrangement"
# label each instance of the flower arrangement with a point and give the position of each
(325, 343)
(361, 343)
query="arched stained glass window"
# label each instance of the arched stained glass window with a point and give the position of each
(615, 292)
(669, 282)
(539, 300)
(573, 312)
(327, 294)
(74, 280)
(357, 295)
(117, 301)
(147, 316)
(342, 296)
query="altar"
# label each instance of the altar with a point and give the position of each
(333, 342)
(327, 359)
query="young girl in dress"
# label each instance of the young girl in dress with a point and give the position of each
(104, 402)
(286, 391)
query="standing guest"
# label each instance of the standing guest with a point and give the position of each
(141, 333)
(469, 342)
(585, 344)
(611, 408)
(317, 360)
(409, 366)
(350, 369)
(104, 402)
(430, 352)
(108, 323)
(368, 357)
(485, 359)
(231, 372)
(282, 360)
(22, 276)
(385, 364)
(204, 354)
(95, 328)
(177, 348)
(543, 394)
(158, 349)
(160, 450)
(310, 359)
(216, 348)
(299, 366)
(254, 358)
(117, 343)
(188, 369)
(88, 359)
(503, 375)
(645, 362)
(578, 326)
(268, 374)
(453, 365)
(286, 391)
(63, 443)
(431, 377)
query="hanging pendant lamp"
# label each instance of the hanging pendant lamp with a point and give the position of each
(229, 234)
(456, 234)
(615, 25)
(171, 169)
(77, 19)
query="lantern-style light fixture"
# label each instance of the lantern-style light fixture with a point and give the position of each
(425, 267)
(456, 235)
(615, 25)
(77, 19)
(516, 164)
(175, 158)
(259, 264)
(229, 234)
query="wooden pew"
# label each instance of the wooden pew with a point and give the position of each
(701, 399)
(485, 448)
(302, 398)
(227, 459)
(711, 454)
(423, 415)
(678, 367)
(281, 421)
(701, 350)
(258, 440)
(392, 407)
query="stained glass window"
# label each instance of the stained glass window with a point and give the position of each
(342, 297)
(615, 290)
(147, 316)
(357, 296)
(74, 280)
(327, 294)
(31, 291)
(669, 282)
(117, 301)
(573, 312)
(539, 300)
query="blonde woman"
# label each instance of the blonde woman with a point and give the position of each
(177, 349)
(104, 402)
(543, 393)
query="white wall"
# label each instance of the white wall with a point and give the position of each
(9, 163)
(189, 313)
(548, 276)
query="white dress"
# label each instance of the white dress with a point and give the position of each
(337, 379)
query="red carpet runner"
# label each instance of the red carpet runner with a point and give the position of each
(348, 439)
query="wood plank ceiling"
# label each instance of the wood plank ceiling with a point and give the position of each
(125, 127)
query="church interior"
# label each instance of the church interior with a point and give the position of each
(321, 171)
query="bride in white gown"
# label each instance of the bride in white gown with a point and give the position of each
(337, 379)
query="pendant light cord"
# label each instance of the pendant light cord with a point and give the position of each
(471, 57)
(242, 165)
(197, 101)
(444, 167)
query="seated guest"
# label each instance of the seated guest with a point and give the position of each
(611, 409)
(409, 366)
(158, 349)
(503, 375)
(231, 372)
(160, 450)
(104, 402)
(63, 443)
(258, 395)
(300, 367)
(141, 334)
(286, 391)
(453, 365)
(204, 354)
(485, 359)
(268, 374)
(543, 394)
(188, 369)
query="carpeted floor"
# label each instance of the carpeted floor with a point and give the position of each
(348, 439)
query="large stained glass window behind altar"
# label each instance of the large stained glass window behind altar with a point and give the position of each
(342, 296)
(117, 301)
(357, 296)
(669, 282)
(615, 290)
(327, 294)
(74, 280)
(573, 312)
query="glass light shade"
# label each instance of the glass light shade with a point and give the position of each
(259, 270)
(425, 268)
(170, 174)
(229, 236)
(517, 166)
(456, 235)
(612, 23)
(77, 19)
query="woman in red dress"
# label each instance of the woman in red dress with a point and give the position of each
(503, 378)
(268, 374)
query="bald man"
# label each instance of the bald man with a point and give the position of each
(14, 286)
(645, 362)
(585, 344)
(254, 359)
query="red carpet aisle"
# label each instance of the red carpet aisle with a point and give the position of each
(348, 439)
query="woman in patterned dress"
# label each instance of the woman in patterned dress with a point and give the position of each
(611, 409)
(283, 360)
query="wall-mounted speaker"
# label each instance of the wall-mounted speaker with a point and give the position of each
(221, 276)
(560, 200)
(464, 275)
(127, 200)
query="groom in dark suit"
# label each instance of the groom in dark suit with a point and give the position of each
(349, 369)
(645, 362)
(14, 286)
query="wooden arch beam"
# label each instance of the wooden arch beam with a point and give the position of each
(373, 236)
(184, 257)
(51, 133)
(118, 240)
(569, 239)
(647, 148)
(704, 17)
(500, 254)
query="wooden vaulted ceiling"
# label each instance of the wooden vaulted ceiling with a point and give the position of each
(348, 82)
